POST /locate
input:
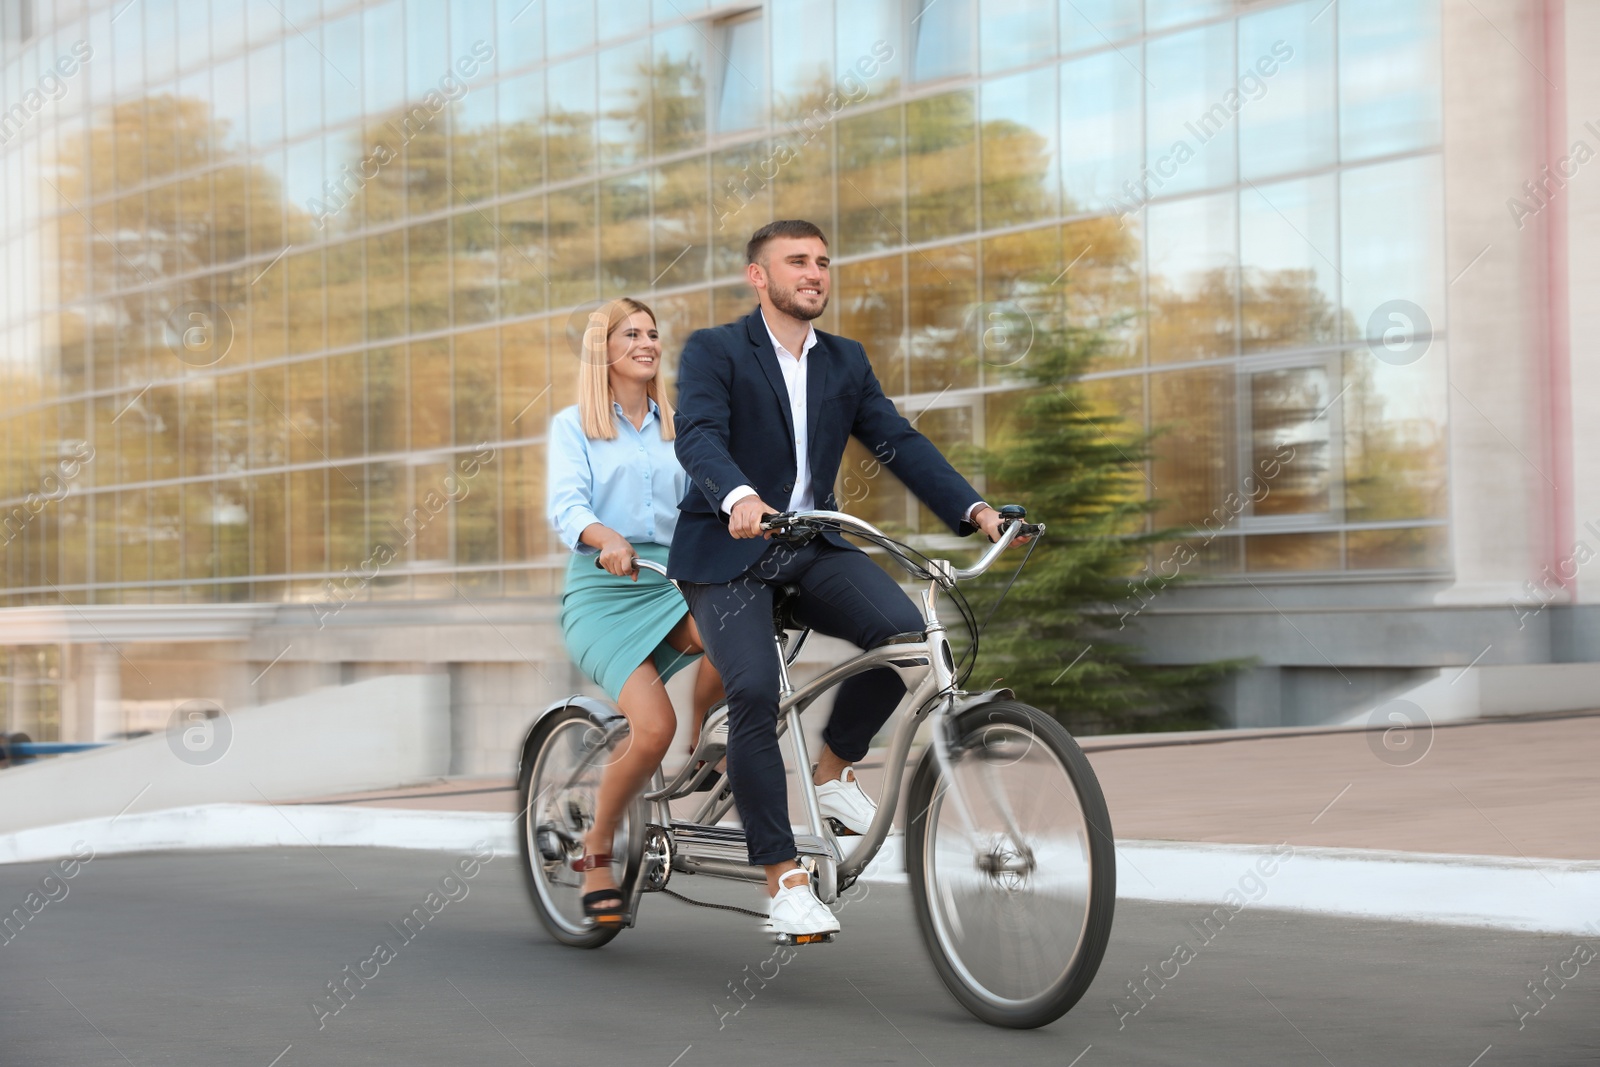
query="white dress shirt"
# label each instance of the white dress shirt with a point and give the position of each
(794, 379)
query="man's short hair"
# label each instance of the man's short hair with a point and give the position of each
(781, 228)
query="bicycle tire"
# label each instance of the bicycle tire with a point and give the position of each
(553, 901)
(992, 989)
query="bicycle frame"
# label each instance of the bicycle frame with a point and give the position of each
(925, 667)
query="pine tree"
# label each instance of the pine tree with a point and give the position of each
(1065, 636)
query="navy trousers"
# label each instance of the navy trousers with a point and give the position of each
(842, 594)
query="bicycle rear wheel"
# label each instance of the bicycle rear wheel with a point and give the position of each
(1016, 907)
(557, 786)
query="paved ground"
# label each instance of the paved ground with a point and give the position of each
(216, 958)
(1525, 787)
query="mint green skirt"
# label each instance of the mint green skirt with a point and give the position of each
(612, 624)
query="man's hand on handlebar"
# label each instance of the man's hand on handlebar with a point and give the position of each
(989, 521)
(744, 520)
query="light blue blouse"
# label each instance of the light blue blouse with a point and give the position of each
(631, 483)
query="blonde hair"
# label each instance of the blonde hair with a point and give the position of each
(595, 398)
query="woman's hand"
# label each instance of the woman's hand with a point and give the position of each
(617, 556)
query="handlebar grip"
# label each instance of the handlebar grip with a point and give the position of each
(601, 566)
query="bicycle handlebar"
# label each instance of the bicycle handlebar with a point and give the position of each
(645, 564)
(850, 524)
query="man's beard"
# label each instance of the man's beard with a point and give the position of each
(788, 302)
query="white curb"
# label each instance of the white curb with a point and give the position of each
(1536, 896)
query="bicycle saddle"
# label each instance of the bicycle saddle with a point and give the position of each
(785, 599)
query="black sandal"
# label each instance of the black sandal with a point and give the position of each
(594, 908)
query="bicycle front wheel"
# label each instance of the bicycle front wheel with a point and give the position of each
(1012, 866)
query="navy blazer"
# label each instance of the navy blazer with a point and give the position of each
(734, 428)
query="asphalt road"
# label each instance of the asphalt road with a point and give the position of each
(219, 959)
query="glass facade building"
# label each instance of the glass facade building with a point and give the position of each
(287, 284)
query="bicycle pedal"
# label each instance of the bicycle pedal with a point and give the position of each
(804, 939)
(840, 829)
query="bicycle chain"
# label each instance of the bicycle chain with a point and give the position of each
(718, 907)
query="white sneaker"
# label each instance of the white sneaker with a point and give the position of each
(797, 911)
(844, 801)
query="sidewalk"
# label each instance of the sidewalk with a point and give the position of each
(1518, 788)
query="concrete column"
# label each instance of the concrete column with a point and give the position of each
(1582, 192)
(1502, 484)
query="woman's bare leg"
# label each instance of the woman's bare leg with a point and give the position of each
(651, 724)
(685, 637)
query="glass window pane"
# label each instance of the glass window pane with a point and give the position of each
(1389, 76)
(681, 222)
(741, 85)
(347, 296)
(1286, 119)
(525, 526)
(1101, 149)
(347, 523)
(386, 289)
(1162, 13)
(306, 411)
(474, 268)
(871, 187)
(347, 389)
(1290, 435)
(570, 138)
(943, 33)
(306, 284)
(1021, 182)
(341, 44)
(476, 375)
(619, 18)
(572, 246)
(308, 521)
(1015, 32)
(1192, 110)
(382, 32)
(569, 25)
(303, 102)
(473, 139)
(625, 234)
(1395, 445)
(1391, 248)
(1192, 412)
(430, 394)
(871, 310)
(525, 402)
(804, 187)
(428, 275)
(1101, 265)
(870, 32)
(387, 419)
(269, 544)
(625, 86)
(1193, 278)
(266, 96)
(1290, 277)
(426, 47)
(950, 429)
(1089, 24)
(1423, 548)
(166, 537)
(944, 318)
(524, 266)
(741, 199)
(802, 70)
(519, 41)
(521, 131)
(941, 167)
(1292, 552)
(678, 85)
